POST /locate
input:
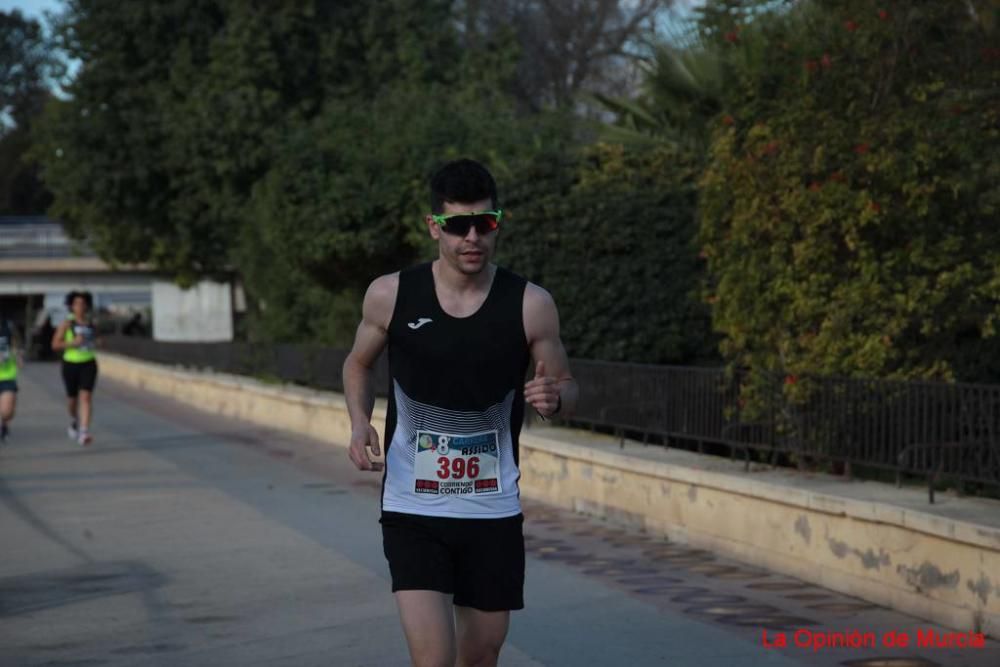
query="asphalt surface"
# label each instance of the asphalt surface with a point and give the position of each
(182, 538)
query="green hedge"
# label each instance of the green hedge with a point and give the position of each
(610, 234)
(850, 204)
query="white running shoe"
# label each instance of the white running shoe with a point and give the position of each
(72, 433)
(84, 439)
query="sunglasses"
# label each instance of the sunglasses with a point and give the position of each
(460, 223)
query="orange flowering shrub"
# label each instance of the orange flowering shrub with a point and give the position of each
(850, 214)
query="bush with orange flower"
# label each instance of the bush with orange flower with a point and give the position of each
(850, 207)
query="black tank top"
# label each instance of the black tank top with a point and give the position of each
(456, 401)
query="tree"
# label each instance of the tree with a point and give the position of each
(21, 191)
(566, 47)
(691, 73)
(177, 109)
(104, 149)
(848, 206)
(287, 143)
(28, 66)
(345, 198)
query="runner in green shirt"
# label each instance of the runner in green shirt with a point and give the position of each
(76, 338)
(11, 358)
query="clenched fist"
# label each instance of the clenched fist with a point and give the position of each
(542, 392)
(362, 440)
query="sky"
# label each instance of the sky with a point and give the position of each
(32, 8)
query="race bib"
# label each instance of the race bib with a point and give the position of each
(87, 334)
(457, 464)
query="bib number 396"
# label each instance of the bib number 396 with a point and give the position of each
(458, 468)
(447, 464)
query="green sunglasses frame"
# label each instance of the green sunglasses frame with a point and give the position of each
(442, 219)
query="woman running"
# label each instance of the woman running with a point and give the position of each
(76, 338)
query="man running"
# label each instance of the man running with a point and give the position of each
(460, 332)
(76, 338)
(11, 357)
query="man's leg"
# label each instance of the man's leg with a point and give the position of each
(480, 636)
(429, 627)
(71, 405)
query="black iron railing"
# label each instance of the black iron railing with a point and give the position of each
(934, 430)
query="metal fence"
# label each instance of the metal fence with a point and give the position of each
(935, 430)
(929, 429)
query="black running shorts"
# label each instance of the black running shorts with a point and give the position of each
(77, 377)
(479, 561)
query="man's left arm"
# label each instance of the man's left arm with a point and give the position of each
(552, 391)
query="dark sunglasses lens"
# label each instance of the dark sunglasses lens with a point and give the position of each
(459, 224)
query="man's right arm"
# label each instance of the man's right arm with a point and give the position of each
(359, 389)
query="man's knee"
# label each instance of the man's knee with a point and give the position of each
(480, 646)
(432, 657)
(482, 657)
(483, 653)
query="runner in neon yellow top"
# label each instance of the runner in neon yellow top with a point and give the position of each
(84, 351)
(76, 337)
(10, 359)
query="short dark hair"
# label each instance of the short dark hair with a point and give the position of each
(86, 296)
(464, 181)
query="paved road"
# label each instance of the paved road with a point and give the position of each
(179, 538)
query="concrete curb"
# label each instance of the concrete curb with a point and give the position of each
(974, 534)
(858, 539)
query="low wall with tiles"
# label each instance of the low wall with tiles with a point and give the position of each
(939, 569)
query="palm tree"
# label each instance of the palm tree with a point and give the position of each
(690, 75)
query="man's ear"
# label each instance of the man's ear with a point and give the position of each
(433, 228)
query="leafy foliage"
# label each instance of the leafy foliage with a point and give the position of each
(849, 206)
(291, 144)
(610, 234)
(566, 48)
(28, 67)
(105, 150)
(346, 197)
